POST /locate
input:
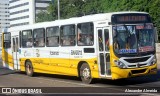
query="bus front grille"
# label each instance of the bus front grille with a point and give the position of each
(138, 71)
(133, 60)
(137, 65)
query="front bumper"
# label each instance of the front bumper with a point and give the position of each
(118, 73)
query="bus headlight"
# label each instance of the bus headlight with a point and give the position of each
(154, 60)
(120, 64)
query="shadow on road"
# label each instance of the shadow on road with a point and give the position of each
(6, 71)
(120, 82)
(133, 81)
(54, 76)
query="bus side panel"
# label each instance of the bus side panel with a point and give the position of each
(59, 58)
(39, 58)
(51, 68)
(24, 54)
(46, 61)
(40, 65)
(60, 69)
(77, 55)
(22, 64)
(89, 61)
(94, 67)
(7, 58)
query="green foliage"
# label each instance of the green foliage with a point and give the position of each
(76, 8)
(43, 16)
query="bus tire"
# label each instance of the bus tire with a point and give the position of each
(29, 68)
(85, 73)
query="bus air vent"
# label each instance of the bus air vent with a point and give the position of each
(134, 60)
(89, 50)
(132, 66)
(138, 71)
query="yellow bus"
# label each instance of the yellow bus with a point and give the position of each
(109, 46)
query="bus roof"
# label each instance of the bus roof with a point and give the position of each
(73, 20)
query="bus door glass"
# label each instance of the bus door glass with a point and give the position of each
(103, 51)
(15, 52)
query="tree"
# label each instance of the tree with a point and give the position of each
(48, 15)
(154, 10)
(43, 16)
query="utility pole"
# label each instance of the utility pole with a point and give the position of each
(58, 10)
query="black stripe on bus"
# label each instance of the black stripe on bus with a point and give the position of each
(89, 50)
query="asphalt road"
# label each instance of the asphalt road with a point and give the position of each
(63, 84)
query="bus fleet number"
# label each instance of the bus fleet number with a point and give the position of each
(76, 52)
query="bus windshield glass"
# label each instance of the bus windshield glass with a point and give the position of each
(133, 39)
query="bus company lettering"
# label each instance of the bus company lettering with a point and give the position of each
(54, 53)
(27, 53)
(21, 91)
(76, 52)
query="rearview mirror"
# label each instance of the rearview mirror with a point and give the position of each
(114, 33)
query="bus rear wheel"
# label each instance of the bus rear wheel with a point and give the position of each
(29, 68)
(85, 73)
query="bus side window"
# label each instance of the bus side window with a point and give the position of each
(7, 44)
(52, 36)
(7, 40)
(89, 40)
(106, 33)
(66, 41)
(41, 42)
(68, 35)
(39, 37)
(27, 40)
(85, 34)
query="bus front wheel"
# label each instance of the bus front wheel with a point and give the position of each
(29, 68)
(85, 73)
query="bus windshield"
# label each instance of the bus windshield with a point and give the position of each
(133, 39)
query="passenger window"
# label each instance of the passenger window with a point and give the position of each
(39, 37)
(68, 35)
(52, 38)
(106, 37)
(7, 40)
(85, 34)
(27, 40)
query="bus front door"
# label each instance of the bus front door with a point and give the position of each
(103, 52)
(15, 52)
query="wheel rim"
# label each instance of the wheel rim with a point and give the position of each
(86, 73)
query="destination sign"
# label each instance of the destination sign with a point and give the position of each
(130, 18)
(122, 51)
